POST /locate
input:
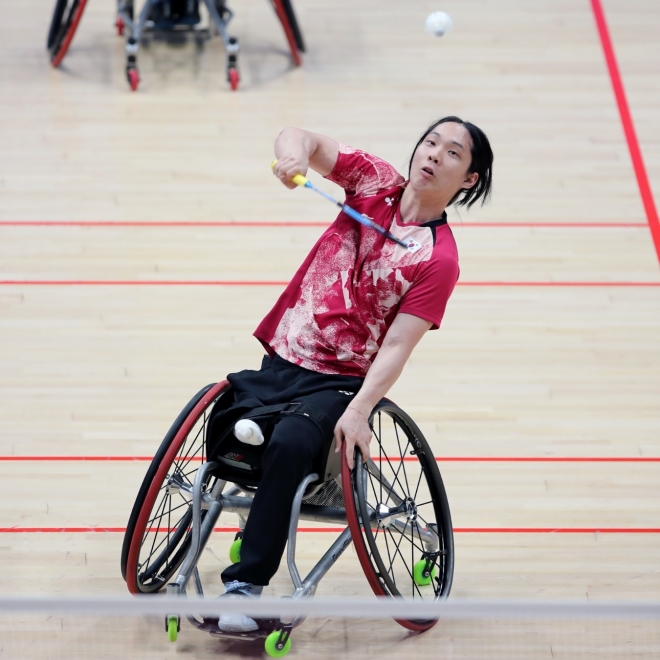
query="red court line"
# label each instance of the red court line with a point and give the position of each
(443, 459)
(337, 530)
(304, 223)
(628, 125)
(285, 282)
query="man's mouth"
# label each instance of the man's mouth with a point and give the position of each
(428, 171)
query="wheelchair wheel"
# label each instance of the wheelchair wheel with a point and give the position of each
(157, 536)
(293, 36)
(293, 22)
(63, 25)
(407, 549)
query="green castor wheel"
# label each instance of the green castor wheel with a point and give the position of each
(421, 573)
(274, 646)
(235, 551)
(173, 625)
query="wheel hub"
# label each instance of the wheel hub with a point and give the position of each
(411, 509)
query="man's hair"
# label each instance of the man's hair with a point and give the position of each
(481, 163)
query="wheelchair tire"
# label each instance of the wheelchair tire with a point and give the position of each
(293, 22)
(63, 25)
(289, 32)
(150, 552)
(401, 490)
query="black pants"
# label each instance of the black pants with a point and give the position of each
(296, 448)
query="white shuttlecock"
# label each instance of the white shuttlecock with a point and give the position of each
(438, 23)
(248, 432)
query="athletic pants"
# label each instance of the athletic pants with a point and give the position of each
(297, 447)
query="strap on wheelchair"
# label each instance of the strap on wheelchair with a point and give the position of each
(315, 414)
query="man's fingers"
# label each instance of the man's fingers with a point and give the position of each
(350, 450)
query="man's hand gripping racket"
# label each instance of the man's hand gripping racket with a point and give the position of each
(304, 182)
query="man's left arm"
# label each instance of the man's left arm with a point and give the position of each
(401, 338)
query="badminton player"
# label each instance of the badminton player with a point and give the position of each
(340, 334)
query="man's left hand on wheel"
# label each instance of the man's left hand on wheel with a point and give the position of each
(353, 427)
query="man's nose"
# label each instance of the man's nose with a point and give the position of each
(434, 157)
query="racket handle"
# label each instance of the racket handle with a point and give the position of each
(298, 179)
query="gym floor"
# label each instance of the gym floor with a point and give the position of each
(143, 237)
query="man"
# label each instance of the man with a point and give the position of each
(340, 334)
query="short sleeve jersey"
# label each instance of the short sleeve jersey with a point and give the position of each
(335, 312)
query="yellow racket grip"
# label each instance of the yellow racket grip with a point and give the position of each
(298, 179)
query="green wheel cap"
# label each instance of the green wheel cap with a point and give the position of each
(421, 577)
(172, 628)
(271, 645)
(235, 551)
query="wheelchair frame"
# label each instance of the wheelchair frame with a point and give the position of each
(67, 15)
(206, 505)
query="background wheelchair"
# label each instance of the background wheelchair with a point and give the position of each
(171, 19)
(394, 508)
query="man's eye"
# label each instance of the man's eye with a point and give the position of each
(431, 143)
(453, 153)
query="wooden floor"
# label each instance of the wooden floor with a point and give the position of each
(549, 349)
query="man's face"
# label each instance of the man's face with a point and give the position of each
(441, 163)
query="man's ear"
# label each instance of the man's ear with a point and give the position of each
(470, 180)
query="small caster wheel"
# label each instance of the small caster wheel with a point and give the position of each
(133, 78)
(233, 77)
(173, 627)
(235, 550)
(277, 644)
(423, 574)
(119, 24)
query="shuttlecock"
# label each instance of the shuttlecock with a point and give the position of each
(438, 23)
(248, 432)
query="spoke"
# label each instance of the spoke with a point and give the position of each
(159, 511)
(186, 457)
(371, 483)
(424, 503)
(178, 506)
(151, 552)
(426, 523)
(397, 551)
(389, 556)
(419, 481)
(402, 454)
(395, 478)
(435, 563)
(380, 461)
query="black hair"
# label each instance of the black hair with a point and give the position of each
(482, 163)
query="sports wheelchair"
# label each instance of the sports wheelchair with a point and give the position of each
(393, 508)
(170, 19)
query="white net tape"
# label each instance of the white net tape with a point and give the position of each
(68, 628)
(352, 608)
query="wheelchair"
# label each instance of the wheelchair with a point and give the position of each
(394, 510)
(168, 19)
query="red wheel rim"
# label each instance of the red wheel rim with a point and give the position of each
(361, 547)
(59, 56)
(152, 493)
(120, 26)
(233, 79)
(281, 14)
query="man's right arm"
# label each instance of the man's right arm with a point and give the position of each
(297, 150)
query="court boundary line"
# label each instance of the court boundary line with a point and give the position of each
(628, 124)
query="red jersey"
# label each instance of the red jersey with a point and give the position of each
(335, 312)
